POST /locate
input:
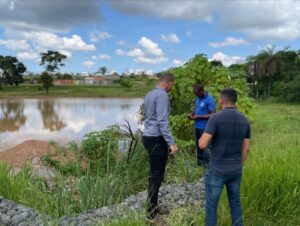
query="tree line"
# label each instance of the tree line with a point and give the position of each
(269, 73)
(275, 73)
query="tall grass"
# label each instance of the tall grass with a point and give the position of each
(88, 190)
(271, 181)
(270, 187)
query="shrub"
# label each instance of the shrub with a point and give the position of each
(199, 70)
(101, 147)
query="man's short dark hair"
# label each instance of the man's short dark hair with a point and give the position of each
(168, 77)
(229, 95)
(198, 87)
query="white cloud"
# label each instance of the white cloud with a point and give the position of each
(229, 41)
(170, 38)
(167, 9)
(97, 36)
(48, 40)
(15, 44)
(120, 52)
(28, 55)
(66, 53)
(140, 71)
(257, 19)
(136, 53)
(226, 60)
(151, 47)
(44, 15)
(104, 57)
(178, 62)
(88, 64)
(150, 60)
(121, 43)
(94, 57)
(148, 52)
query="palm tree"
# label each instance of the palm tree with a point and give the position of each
(255, 71)
(270, 63)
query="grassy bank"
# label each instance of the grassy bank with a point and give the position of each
(271, 181)
(139, 89)
(270, 187)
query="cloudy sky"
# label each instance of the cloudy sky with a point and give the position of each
(149, 35)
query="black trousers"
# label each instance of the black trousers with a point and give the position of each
(157, 149)
(203, 156)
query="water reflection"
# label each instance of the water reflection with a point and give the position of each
(50, 117)
(11, 115)
(61, 119)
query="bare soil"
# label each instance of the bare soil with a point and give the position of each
(26, 151)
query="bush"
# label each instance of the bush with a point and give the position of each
(199, 70)
(101, 147)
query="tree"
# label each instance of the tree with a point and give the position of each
(125, 82)
(216, 63)
(199, 70)
(12, 70)
(266, 64)
(103, 70)
(47, 81)
(52, 60)
(271, 64)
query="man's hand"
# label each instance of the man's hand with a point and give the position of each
(192, 117)
(174, 149)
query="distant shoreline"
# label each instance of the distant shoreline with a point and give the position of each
(113, 91)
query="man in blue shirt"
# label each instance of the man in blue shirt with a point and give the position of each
(157, 138)
(204, 108)
(229, 134)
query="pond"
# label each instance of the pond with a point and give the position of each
(62, 119)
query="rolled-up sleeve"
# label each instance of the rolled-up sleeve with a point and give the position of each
(162, 116)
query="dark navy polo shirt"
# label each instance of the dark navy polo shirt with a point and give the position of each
(229, 128)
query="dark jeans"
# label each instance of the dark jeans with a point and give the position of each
(157, 148)
(213, 188)
(202, 155)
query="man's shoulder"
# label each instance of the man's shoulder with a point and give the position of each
(156, 93)
(241, 115)
(210, 97)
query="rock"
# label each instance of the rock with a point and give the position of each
(5, 219)
(23, 224)
(170, 197)
(17, 219)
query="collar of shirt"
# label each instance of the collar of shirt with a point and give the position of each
(158, 87)
(230, 108)
(205, 95)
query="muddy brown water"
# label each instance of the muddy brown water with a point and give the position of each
(61, 119)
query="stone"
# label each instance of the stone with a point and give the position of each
(23, 224)
(5, 219)
(11, 213)
(17, 219)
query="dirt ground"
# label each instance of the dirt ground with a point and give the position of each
(25, 151)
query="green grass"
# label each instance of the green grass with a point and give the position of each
(137, 90)
(271, 181)
(270, 187)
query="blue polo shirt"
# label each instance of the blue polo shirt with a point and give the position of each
(203, 107)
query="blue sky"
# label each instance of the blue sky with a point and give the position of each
(135, 35)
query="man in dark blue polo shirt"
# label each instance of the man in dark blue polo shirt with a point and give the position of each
(229, 134)
(205, 106)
